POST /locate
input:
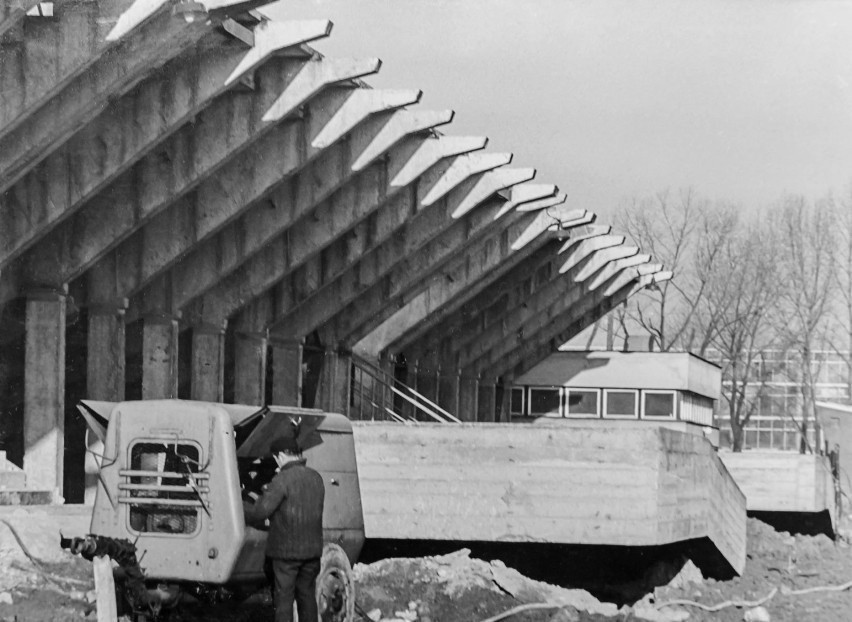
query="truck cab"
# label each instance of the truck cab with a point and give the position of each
(173, 476)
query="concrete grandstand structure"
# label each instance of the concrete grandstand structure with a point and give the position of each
(190, 191)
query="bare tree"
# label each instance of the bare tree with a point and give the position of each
(806, 237)
(841, 341)
(741, 296)
(684, 233)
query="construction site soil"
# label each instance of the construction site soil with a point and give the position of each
(787, 579)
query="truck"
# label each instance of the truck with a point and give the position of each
(172, 479)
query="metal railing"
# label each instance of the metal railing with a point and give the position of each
(378, 396)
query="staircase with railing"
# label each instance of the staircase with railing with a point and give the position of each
(378, 396)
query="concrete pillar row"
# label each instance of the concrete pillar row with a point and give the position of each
(250, 349)
(159, 356)
(207, 375)
(105, 374)
(44, 389)
(287, 372)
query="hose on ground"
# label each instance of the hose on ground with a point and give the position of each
(37, 564)
(720, 606)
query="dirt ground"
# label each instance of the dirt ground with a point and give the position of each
(457, 588)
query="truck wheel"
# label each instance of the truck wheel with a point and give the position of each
(335, 586)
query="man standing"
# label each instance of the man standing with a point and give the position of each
(293, 503)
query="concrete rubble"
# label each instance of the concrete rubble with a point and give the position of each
(457, 573)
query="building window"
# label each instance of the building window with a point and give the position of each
(658, 404)
(620, 403)
(545, 402)
(582, 403)
(516, 406)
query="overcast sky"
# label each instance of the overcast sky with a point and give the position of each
(743, 100)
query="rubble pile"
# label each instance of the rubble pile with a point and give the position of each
(803, 570)
(458, 588)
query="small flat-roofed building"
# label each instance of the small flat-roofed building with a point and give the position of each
(654, 386)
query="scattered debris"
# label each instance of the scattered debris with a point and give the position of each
(758, 614)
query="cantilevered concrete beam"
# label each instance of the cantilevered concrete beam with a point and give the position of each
(611, 269)
(560, 329)
(392, 227)
(95, 157)
(474, 315)
(387, 211)
(12, 11)
(523, 195)
(473, 256)
(553, 219)
(191, 157)
(584, 233)
(438, 317)
(546, 331)
(266, 259)
(263, 202)
(428, 239)
(50, 62)
(461, 169)
(514, 322)
(603, 258)
(589, 245)
(158, 40)
(560, 293)
(477, 268)
(488, 307)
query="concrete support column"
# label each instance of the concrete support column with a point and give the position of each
(487, 405)
(44, 390)
(448, 390)
(250, 367)
(286, 371)
(159, 356)
(468, 398)
(105, 374)
(427, 381)
(505, 400)
(335, 383)
(207, 376)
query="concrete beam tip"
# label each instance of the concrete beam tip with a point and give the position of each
(137, 13)
(359, 106)
(313, 77)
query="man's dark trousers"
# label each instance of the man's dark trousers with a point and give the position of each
(296, 579)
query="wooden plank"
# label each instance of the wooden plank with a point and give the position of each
(105, 589)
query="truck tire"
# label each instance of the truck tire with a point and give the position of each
(335, 586)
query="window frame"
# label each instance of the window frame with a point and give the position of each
(606, 415)
(599, 402)
(673, 393)
(559, 408)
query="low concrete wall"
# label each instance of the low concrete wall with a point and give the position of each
(781, 481)
(578, 482)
